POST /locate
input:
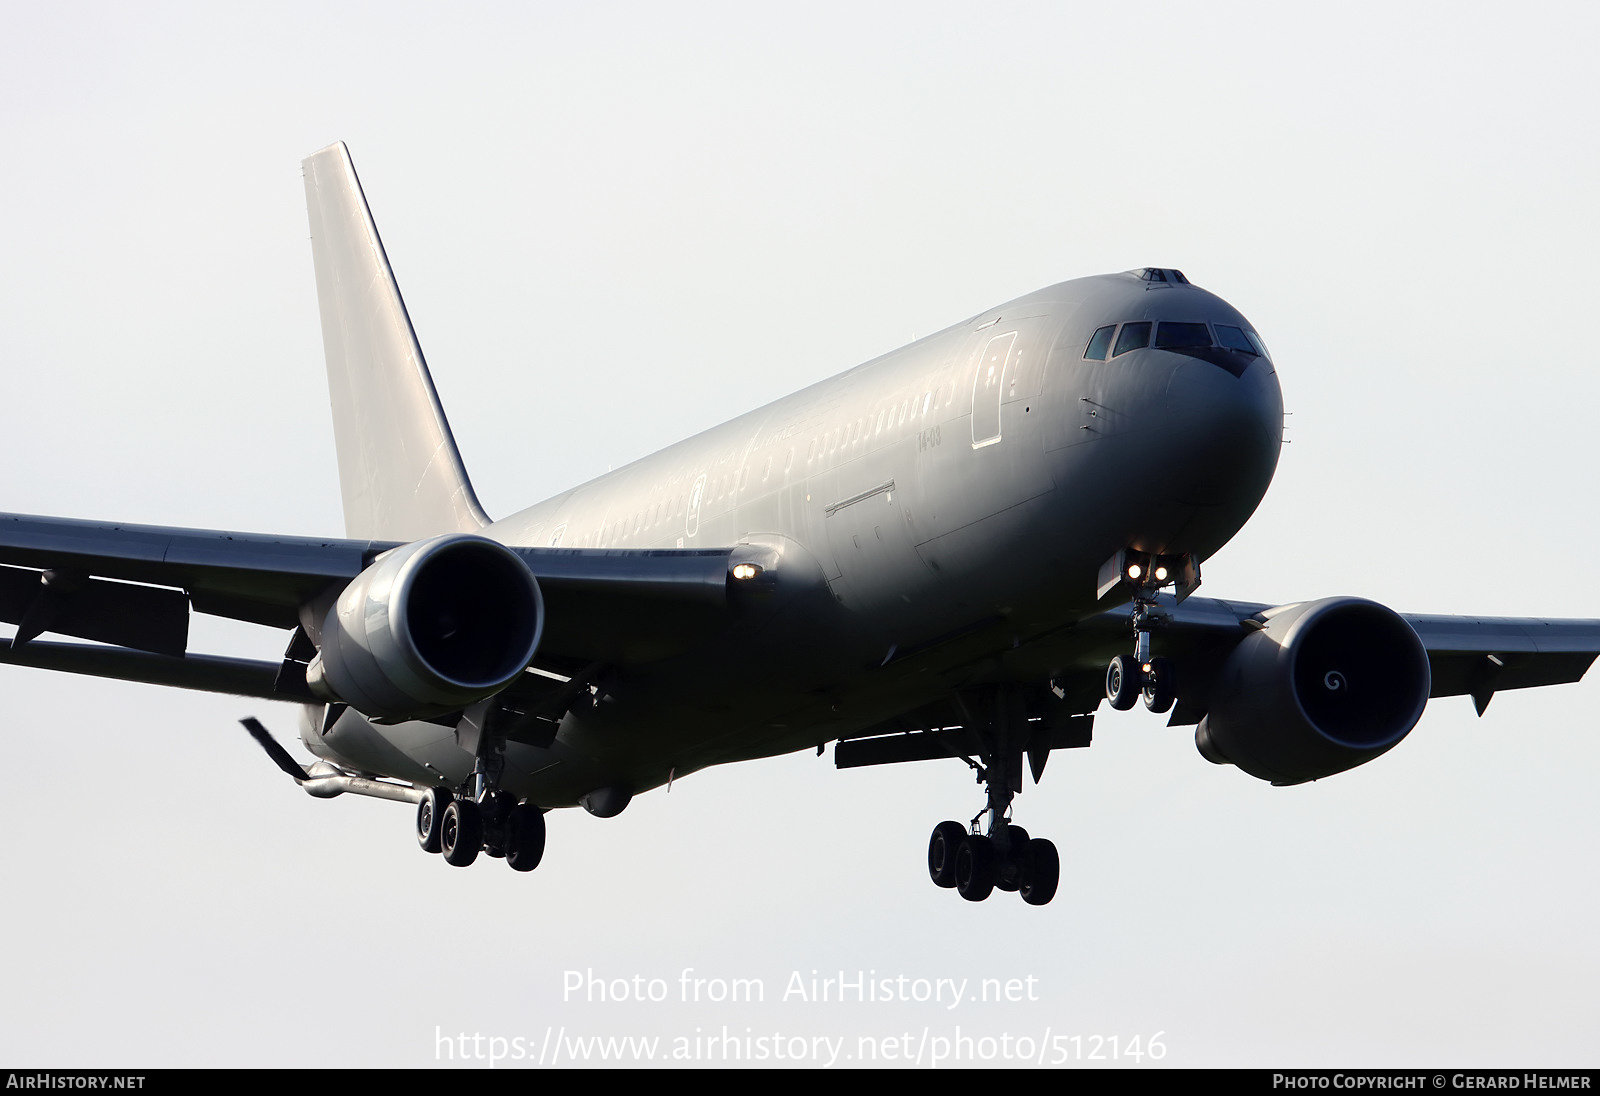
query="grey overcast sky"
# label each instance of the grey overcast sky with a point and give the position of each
(617, 224)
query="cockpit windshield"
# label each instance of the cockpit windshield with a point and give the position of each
(1180, 336)
(1234, 340)
(1134, 336)
(1119, 339)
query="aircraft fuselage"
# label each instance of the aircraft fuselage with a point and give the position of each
(969, 485)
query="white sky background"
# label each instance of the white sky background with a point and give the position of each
(616, 225)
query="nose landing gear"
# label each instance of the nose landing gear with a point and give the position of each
(1128, 678)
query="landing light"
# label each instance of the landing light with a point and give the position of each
(1161, 574)
(1134, 570)
(742, 571)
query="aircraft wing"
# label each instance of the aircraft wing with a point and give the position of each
(1480, 656)
(130, 588)
(1467, 655)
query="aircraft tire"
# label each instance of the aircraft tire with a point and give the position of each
(1043, 874)
(525, 833)
(975, 868)
(942, 846)
(1009, 875)
(430, 817)
(1160, 690)
(1124, 682)
(461, 836)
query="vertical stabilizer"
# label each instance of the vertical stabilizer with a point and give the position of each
(399, 471)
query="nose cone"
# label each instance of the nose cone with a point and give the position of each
(1224, 432)
(1219, 446)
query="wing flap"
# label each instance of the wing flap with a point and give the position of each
(146, 618)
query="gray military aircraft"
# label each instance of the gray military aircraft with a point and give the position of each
(957, 550)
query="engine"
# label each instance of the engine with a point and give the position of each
(1323, 687)
(428, 628)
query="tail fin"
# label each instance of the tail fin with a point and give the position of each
(399, 470)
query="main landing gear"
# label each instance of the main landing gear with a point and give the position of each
(460, 828)
(478, 817)
(481, 819)
(975, 863)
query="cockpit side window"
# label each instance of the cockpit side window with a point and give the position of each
(1100, 343)
(1260, 346)
(1234, 339)
(1181, 336)
(1135, 336)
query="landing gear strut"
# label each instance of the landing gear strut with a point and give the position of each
(975, 863)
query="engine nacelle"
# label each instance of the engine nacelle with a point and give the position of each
(1323, 687)
(428, 628)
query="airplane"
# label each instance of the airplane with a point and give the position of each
(958, 550)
